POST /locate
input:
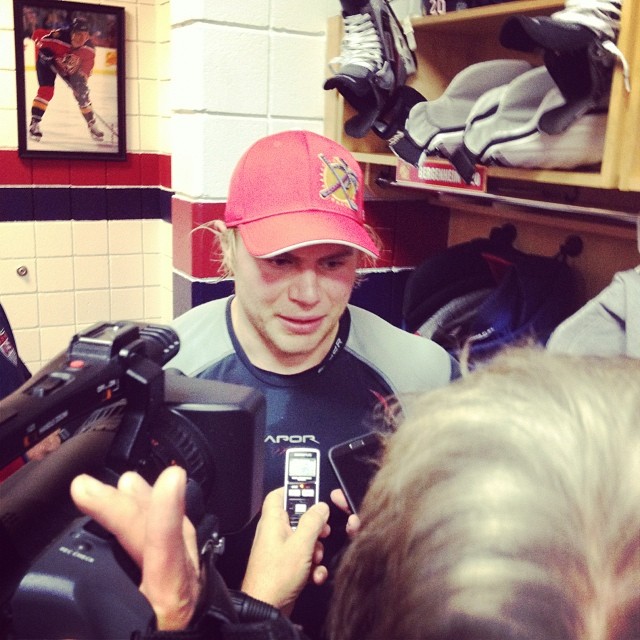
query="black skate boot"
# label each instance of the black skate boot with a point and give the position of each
(374, 62)
(580, 52)
(96, 134)
(34, 130)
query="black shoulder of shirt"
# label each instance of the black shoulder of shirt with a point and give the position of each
(11, 376)
(63, 34)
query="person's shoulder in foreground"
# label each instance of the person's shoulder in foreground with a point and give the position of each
(508, 507)
(506, 510)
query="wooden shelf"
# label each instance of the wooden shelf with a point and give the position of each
(448, 43)
(479, 19)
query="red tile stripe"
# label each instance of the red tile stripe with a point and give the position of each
(139, 169)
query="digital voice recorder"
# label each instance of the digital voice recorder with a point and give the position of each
(301, 482)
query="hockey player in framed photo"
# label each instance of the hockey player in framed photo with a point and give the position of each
(67, 52)
(70, 77)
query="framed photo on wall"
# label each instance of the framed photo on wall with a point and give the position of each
(70, 80)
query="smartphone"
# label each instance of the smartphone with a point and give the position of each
(355, 462)
(301, 481)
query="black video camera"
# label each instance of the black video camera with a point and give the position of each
(115, 409)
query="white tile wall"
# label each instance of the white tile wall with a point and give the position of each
(55, 274)
(53, 239)
(91, 272)
(56, 309)
(53, 340)
(9, 135)
(151, 270)
(285, 124)
(147, 23)
(6, 43)
(7, 87)
(90, 237)
(92, 305)
(292, 15)
(262, 71)
(12, 283)
(18, 240)
(125, 271)
(127, 304)
(150, 127)
(198, 168)
(298, 73)
(249, 12)
(131, 61)
(147, 60)
(125, 236)
(80, 273)
(148, 100)
(22, 310)
(28, 341)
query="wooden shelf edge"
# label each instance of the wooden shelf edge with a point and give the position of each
(514, 7)
(555, 176)
(624, 109)
(383, 159)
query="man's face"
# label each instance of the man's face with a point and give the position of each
(287, 308)
(78, 38)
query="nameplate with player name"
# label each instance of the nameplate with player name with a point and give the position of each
(440, 173)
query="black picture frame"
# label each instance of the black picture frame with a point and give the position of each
(52, 86)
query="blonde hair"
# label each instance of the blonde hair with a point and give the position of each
(227, 239)
(507, 507)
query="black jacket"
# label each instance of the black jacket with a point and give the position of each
(13, 372)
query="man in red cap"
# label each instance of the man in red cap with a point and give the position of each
(293, 238)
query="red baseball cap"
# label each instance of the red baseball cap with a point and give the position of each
(295, 189)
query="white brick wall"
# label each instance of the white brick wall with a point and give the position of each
(79, 273)
(239, 72)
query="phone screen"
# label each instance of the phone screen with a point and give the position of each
(355, 462)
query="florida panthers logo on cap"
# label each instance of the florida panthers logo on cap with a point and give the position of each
(339, 181)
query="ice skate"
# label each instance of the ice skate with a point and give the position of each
(580, 52)
(34, 130)
(601, 16)
(374, 61)
(96, 134)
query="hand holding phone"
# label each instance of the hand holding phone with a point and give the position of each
(355, 462)
(301, 482)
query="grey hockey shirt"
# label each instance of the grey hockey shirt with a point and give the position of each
(608, 324)
(370, 361)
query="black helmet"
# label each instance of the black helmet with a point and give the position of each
(80, 24)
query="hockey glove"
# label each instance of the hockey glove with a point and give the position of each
(45, 57)
(68, 65)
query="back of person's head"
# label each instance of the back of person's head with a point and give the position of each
(507, 508)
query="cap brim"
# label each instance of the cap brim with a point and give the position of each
(524, 33)
(286, 232)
